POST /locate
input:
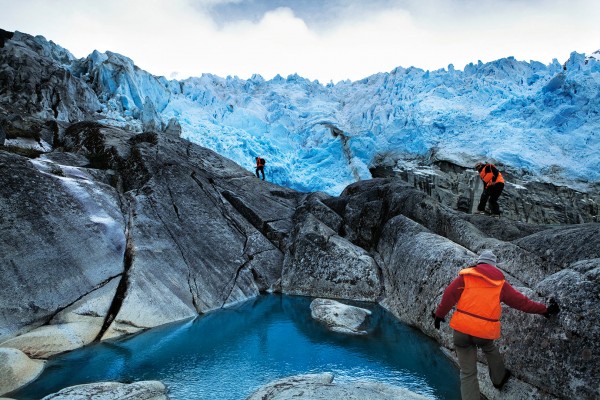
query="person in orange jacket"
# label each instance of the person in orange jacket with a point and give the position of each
(493, 184)
(260, 167)
(477, 293)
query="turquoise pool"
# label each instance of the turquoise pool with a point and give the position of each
(227, 354)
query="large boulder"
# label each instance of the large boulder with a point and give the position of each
(339, 317)
(320, 263)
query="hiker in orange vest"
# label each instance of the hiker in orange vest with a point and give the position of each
(260, 167)
(477, 293)
(493, 184)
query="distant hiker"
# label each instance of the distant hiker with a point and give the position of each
(479, 290)
(260, 167)
(493, 184)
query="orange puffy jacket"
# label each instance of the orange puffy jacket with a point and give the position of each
(478, 310)
(487, 174)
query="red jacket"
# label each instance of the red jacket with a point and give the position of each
(508, 294)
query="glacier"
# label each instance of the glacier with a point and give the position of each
(535, 120)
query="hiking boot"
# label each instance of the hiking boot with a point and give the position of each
(480, 212)
(507, 375)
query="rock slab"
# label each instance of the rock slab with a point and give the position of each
(321, 387)
(16, 369)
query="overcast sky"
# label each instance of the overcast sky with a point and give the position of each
(317, 39)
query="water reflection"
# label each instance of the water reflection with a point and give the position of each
(229, 353)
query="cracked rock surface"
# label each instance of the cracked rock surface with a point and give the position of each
(165, 229)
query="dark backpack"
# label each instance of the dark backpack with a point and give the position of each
(262, 162)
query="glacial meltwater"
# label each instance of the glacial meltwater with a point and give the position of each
(229, 353)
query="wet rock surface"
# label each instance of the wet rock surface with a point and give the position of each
(176, 214)
(62, 238)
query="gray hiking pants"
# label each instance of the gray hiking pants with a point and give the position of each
(466, 351)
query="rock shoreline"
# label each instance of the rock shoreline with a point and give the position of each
(226, 237)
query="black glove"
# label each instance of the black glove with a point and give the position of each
(552, 308)
(437, 320)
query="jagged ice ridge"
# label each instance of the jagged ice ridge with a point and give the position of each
(536, 119)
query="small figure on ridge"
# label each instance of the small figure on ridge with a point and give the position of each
(493, 184)
(260, 167)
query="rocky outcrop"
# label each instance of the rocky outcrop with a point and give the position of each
(38, 85)
(524, 199)
(71, 328)
(175, 213)
(420, 246)
(143, 390)
(322, 387)
(315, 249)
(339, 317)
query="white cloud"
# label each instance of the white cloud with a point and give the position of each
(168, 37)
